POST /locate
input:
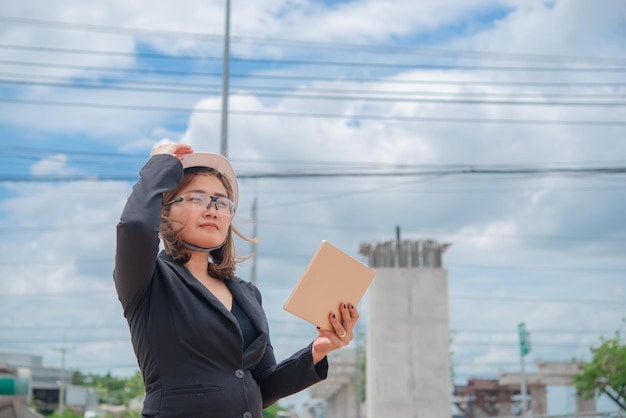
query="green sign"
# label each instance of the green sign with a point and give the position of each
(10, 385)
(524, 340)
(7, 385)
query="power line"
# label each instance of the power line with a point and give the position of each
(77, 152)
(516, 344)
(535, 331)
(416, 66)
(451, 235)
(618, 270)
(541, 268)
(539, 300)
(386, 49)
(83, 85)
(453, 331)
(498, 299)
(387, 95)
(111, 69)
(93, 157)
(106, 53)
(79, 228)
(367, 98)
(126, 339)
(315, 115)
(283, 77)
(411, 172)
(117, 30)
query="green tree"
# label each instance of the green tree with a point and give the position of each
(67, 413)
(132, 414)
(133, 387)
(117, 391)
(605, 373)
(120, 391)
(271, 411)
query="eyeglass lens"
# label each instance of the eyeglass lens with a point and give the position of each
(222, 204)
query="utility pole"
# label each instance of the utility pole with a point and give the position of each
(226, 71)
(358, 375)
(254, 244)
(523, 388)
(63, 351)
(524, 344)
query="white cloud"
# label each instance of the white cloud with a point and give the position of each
(57, 164)
(551, 240)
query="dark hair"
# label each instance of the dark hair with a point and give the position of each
(224, 257)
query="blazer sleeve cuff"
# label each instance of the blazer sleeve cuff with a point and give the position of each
(321, 368)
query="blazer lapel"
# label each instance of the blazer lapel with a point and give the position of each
(191, 282)
(248, 302)
(245, 296)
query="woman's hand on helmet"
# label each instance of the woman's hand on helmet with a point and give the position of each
(177, 150)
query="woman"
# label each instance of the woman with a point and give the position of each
(199, 332)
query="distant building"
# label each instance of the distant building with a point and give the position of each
(15, 393)
(46, 383)
(42, 376)
(501, 397)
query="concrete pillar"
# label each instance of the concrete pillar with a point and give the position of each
(342, 403)
(583, 405)
(506, 404)
(339, 389)
(538, 397)
(408, 357)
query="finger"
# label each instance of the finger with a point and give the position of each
(183, 149)
(166, 148)
(172, 149)
(346, 319)
(331, 336)
(354, 313)
(340, 331)
(344, 329)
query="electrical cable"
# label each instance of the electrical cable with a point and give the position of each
(283, 77)
(388, 95)
(365, 98)
(386, 118)
(385, 49)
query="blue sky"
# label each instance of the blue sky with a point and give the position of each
(325, 87)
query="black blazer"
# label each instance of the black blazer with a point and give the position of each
(188, 345)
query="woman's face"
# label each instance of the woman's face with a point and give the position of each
(203, 224)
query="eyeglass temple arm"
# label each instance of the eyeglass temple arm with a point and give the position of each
(178, 200)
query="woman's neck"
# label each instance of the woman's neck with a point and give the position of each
(198, 264)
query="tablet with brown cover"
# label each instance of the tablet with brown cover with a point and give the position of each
(332, 277)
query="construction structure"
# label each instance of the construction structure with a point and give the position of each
(15, 393)
(407, 352)
(49, 387)
(501, 397)
(341, 390)
(407, 355)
